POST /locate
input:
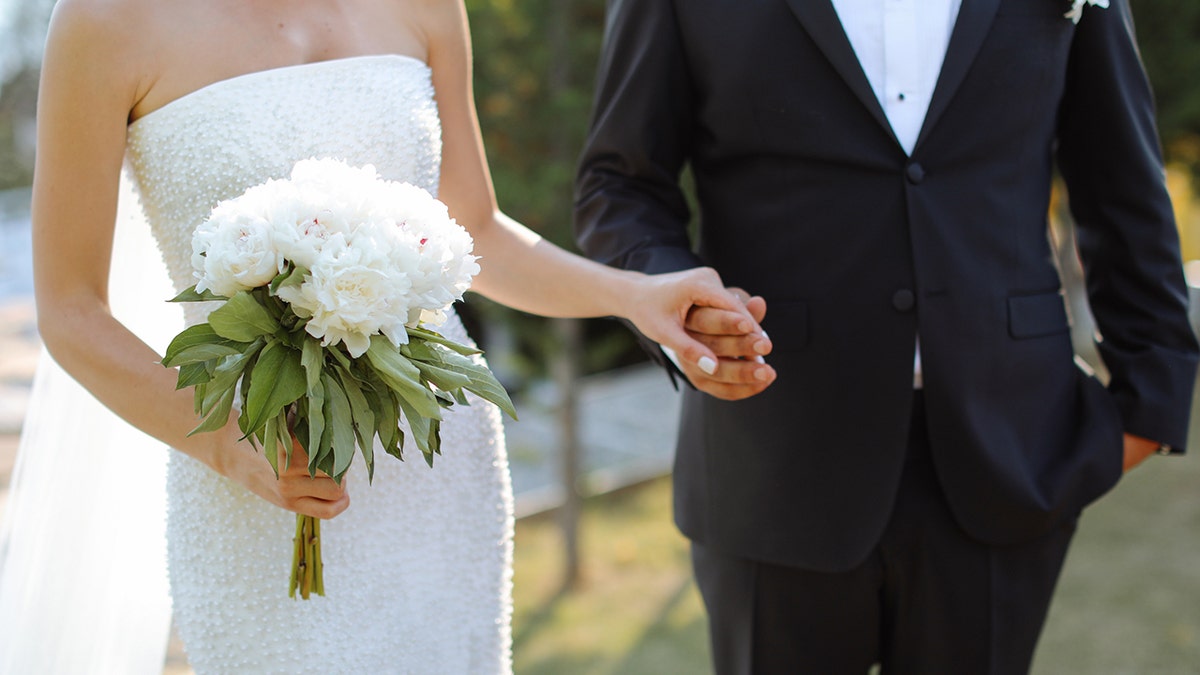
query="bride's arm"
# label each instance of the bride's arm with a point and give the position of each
(90, 82)
(522, 270)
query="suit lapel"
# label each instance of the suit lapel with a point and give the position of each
(974, 20)
(821, 23)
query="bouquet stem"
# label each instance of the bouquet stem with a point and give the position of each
(307, 570)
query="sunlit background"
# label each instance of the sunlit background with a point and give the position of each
(603, 586)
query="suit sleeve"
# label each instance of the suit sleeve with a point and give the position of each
(629, 209)
(1110, 157)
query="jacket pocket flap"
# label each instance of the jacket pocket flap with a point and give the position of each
(1038, 315)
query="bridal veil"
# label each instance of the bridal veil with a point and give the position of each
(83, 581)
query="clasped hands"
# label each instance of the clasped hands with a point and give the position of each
(740, 345)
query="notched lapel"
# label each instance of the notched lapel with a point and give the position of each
(821, 22)
(974, 19)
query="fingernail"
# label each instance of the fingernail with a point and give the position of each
(745, 326)
(762, 346)
(761, 375)
(759, 359)
(764, 334)
(707, 365)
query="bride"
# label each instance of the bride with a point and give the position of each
(197, 101)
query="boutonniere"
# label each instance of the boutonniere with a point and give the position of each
(1077, 8)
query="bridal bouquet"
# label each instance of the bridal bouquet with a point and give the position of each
(328, 280)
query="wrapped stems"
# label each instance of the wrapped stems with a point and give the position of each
(307, 570)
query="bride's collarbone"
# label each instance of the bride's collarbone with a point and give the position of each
(210, 46)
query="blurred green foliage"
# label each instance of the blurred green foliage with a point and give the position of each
(1169, 36)
(535, 64)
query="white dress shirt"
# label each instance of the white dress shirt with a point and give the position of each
(900, 45)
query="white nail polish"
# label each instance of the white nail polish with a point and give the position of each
(707, 365)
(764, 334)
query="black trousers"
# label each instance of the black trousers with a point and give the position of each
(929, 600)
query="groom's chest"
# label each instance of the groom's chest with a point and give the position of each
(806, 69)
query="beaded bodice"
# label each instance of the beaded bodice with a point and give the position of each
(215, 142)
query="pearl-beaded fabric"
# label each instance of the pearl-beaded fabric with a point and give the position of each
(418, 569)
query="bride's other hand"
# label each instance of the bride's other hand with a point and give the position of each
(710, 329)
(294, 490)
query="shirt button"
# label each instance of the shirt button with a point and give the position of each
(903, 300)
(915, 173)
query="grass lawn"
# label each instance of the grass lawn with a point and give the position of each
(1128, 602)
(635, 611)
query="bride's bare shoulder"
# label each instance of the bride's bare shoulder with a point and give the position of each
(443, 22)
(102, 33)
(115, 23)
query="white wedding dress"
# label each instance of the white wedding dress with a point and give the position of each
(418, 569)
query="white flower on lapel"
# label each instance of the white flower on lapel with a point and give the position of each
(1077, 8)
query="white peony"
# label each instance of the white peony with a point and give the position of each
(349, 296)
(235, 254)
(380, 255)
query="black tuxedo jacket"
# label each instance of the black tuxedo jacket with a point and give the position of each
(806, 198)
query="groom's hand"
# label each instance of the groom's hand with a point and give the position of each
(1137, 450)
(740, 372)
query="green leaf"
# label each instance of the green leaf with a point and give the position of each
(200, 335)
(341, 423)
(390, 405)
(323, 460)
(242, 318)
(387, 417)
(285, 436)
(420, 425)
(270, 444)
(312, 357)
(276, 381)
(363, 420)
(198, 395)
(483, 383)
(420, 350)
(426, 334)
(292, 278)
(225, 377)
(193, 374)
(190, 295)
(202, 353)
(444, 378)
(342, 359)
(402, 377)
(218, 414)
(315, 413)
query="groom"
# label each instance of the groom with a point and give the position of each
(880, 172)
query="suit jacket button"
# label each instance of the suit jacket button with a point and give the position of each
(903, 300)
(915, 173)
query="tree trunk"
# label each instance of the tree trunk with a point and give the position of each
(570, 331)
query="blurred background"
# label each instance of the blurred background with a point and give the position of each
(602, 578)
